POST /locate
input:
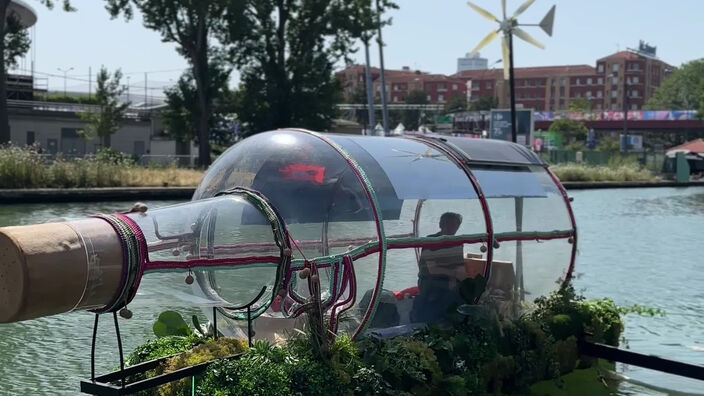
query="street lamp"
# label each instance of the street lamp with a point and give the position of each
(65, 72)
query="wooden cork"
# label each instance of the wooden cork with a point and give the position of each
(53, 268)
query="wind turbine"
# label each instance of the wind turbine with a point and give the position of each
(509, 26)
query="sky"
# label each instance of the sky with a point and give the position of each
(428, 35)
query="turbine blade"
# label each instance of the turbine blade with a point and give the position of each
(523, 35)
(522, 8)
(483, 12)
(505, 52)
(547, 22)
(486, 40)
(503, 7)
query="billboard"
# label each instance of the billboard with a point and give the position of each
(500, 127)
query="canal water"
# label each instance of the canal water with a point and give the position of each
(637, 246)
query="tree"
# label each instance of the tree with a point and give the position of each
(286, 59)
(579, 105)
(17, 41)
(485, 103)
(13, 43)
(700, 113)
(682, 90)
(572, 131)
(181, 100)
(456, 103)
(413, 119)
(192, 25)
(108, 119)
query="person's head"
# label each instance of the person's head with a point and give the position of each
(450, 223)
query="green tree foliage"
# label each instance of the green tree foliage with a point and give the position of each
(456, 103)
(286, 57)
(579, 105)
(571, 130)
(108, 119)
(14, 42)
(17, 41)
(191, 25)
(484, 103)
(700, 113)
(182, 106)
(682, 90)
(609, 144)
(413, 119)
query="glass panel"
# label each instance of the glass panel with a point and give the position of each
(494, 150)
(426, 289)
(227, 227)
(299, 173)
(524, 190)
(544, 266)
(415, 170)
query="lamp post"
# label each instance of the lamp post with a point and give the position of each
(65, 72)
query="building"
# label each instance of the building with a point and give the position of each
(472, 62)
(438, 87)
(55, 128)
(353, 78)
(623, 80)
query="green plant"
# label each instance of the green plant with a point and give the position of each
(161, 347)
(211, 350)
(609, 144)
(407, 364)
(171, 323)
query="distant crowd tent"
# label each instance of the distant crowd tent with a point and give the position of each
(367, 215)
(693, 152)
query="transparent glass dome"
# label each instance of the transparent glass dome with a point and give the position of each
(386, 221)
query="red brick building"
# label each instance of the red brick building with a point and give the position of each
(548, 88)
(551, 88)
(438, 87)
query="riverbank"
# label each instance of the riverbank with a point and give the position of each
(51, 195)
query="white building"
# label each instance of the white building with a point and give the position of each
(472, 62)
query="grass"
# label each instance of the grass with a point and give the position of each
(25, 168)
(617, 170)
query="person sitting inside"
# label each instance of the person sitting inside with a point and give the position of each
(440, 270)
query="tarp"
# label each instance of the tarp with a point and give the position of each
(691, 147)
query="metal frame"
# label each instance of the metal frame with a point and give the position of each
(103, 385)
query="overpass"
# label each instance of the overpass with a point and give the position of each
(672, 120)
(638, 121)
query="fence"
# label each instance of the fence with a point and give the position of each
(651, 160)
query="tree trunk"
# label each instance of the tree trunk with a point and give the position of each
(200, 67)
(5, 136)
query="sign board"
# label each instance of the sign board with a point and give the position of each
(500, 128)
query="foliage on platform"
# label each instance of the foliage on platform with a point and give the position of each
(474, 353)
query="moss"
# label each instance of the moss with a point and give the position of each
(217, 349)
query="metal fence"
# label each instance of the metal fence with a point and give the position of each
(650, 160)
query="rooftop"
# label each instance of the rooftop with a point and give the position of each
(529, 72)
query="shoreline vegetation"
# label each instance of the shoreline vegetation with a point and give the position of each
(26, 168)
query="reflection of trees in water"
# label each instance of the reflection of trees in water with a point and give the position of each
(674, 204)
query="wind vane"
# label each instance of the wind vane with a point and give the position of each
(509, 26)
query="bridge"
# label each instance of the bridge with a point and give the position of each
(637, 120)
(645, 120)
